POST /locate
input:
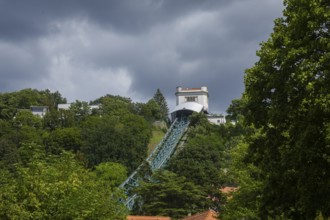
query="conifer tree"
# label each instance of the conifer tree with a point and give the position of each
(161, 101)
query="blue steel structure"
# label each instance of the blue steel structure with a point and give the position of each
(158, 158)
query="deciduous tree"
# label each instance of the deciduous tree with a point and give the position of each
(57, 187)
(287, 93)
(167, 194)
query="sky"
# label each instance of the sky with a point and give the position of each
(86, 49)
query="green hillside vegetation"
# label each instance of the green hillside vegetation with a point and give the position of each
(274, 148)
(69, 163)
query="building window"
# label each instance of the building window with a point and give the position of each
(191, 99)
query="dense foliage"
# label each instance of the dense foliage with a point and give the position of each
(110, 138)
(167, 194)
(11, 103)
(58, 187)
(287, 103)
(68, 164)
(202, 158)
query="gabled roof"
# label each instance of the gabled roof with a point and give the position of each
(136, 217)
(207, 215)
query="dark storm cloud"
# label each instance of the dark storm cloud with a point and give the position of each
(86, 49)
(23, 19)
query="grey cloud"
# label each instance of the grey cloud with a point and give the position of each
(26, 19)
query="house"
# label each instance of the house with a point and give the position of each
(64, 106)
(135, 217)
(207, 215)
(39, 110)
(216, 119)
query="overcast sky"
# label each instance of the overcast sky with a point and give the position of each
(86, 49)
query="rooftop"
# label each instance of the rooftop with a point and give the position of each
(228, 189)
(135, 217)
(207, 215)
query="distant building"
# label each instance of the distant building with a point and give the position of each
(63, 106)
(216, 119)
(39, 110)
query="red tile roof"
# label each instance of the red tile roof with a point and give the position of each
(207, 215)
(228, 189)
(135, 217)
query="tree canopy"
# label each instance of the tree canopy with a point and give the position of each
(167, 194)
(58, 187)
(288, 99)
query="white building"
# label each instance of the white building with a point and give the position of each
(194, 95)
(63, 106)
(39, 110)
(190, 100)
(216, 119)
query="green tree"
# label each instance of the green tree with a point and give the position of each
(202, 158)
(56, 187)
(64, 139)
(26, 118)
(151, 111)
(24, 99)
(80, 111)
(114, 105)
(168, 194)
(242, 173)
(52, 120)
(200, 161)
(112, 174)
(235, 110)
(27, 128)
(121, 139)
(52, 99)
(287, 93)
(161, 101)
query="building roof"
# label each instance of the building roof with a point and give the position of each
(207, 215)
(135, 217)
(192, 106)
(228, 189)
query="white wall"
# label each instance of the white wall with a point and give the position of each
(200, 93)
(217, 120)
